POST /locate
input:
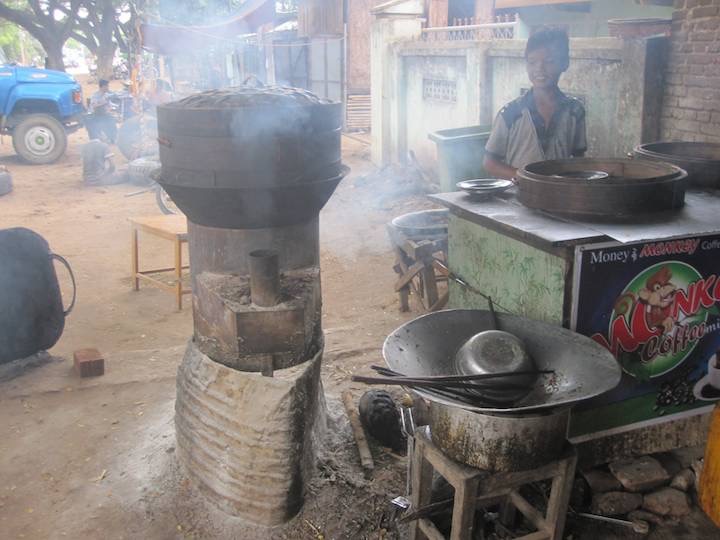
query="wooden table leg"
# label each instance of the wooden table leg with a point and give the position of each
(464, 509)
(134, 258)
(560, 497)
(421, 494)
(431, 291)
(178, 273)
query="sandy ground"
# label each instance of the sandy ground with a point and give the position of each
(81, 458)
(95, 458)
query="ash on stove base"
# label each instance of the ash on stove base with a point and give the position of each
(248, 441)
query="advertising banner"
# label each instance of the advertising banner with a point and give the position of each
(655, 306)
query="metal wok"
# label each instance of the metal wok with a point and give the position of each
(428, 345)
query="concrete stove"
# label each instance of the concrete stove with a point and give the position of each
(251, 169)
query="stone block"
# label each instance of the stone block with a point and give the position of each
(684, 480)
(640, 474)
(667, 502)
(642, 515)
(687, 456)
(669, 462)
(235, 332)
(615, 503)
(88, 363)
(248, 441)
(601, 481)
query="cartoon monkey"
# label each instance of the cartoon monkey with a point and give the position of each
(658, 296)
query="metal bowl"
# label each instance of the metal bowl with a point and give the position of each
(423, 223)
(428, 346)
(495, 351)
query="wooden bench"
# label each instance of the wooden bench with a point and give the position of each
(173, 228)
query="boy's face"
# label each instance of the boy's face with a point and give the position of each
(544, 67)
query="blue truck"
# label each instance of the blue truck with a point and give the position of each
(38, 107)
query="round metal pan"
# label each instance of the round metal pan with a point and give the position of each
(632, 188)
(701, 160)
(428, 346)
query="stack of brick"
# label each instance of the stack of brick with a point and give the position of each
(657, 489)
(691, 104)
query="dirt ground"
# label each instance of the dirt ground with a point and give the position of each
(94, 458)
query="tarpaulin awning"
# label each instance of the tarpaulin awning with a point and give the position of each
(175, 39)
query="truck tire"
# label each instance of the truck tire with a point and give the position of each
(139, 170)
(6, 184)
(137, 137)
(39, 139)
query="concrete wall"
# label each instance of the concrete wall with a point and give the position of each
(614, 78)
(691, 107)
(587, 20)
(618, 80)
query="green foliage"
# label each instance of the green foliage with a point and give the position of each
(188, 12)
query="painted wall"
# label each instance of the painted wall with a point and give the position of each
(587, 19)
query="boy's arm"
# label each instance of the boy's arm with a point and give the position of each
(496, 151)
(498, 169)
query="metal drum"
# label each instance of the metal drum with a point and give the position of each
(631, 187)
(699, 159)
(248, 158)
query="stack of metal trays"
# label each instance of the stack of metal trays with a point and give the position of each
(602, 188)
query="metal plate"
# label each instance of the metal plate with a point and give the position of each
(484, 187)
(428, 345)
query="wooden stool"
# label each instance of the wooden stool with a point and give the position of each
(477, 488)
(414, 261)
(173, 228)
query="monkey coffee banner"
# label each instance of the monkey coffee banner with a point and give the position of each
(656, 306)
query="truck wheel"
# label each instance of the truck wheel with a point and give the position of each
(39, 139)
(137, 137)
(140, 170)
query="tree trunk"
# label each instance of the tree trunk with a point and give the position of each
(54, 58)
(105, 57)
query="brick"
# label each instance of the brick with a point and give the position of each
(710, 24)
(705, 11)
(700, 59)
(88, 363)
(675, 78)
(715, 118)
(703, 116)
(643, 473)
(676, 90)
(702, 82)
(710, 129)
(683, 114)
(702, 35)
(697, 70)
(688, 125)
(678, 4)
(694, 3)
(667, 501)
(704, 93)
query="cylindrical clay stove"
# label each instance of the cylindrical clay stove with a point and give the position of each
(251, 169)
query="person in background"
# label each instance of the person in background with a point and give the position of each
(100, 123)
(544, 123)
